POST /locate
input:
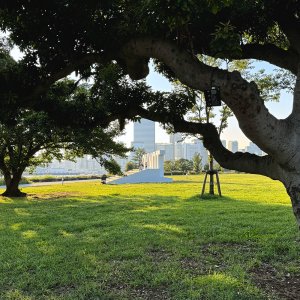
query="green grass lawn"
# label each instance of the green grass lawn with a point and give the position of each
(150, 241)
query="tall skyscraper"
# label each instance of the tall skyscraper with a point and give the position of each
(176, 142)
(233, 146)
(196, 146)
(144, 135)
(175, 138)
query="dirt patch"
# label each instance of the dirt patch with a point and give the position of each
(64, 289)
(141, 293)
(159, 255)
(144, 293)
(215, 249)
(285, 286)
(213, 254)
(194, 266)
(52, 196)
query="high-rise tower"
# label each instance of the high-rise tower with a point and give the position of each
(144, 135)
(233, 146)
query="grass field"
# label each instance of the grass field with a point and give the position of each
(150, 241)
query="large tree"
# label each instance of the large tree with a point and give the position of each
(34, 139)
(59, 37)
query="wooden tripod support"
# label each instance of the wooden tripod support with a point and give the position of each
(211, 174)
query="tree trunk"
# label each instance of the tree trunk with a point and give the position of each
(211, 175)
(12, 186)
(294, 193)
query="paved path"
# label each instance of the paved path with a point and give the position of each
(53, 183)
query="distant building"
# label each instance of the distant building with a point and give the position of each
(144, 135)
(168, 148)
(223, 143)
(196, 146)
(233, 146)
(82, 165)
(178, 151)
(254, 149)
(175, 138)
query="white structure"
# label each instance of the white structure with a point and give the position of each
(233, 146)
(168, 148)
(153, 170)
(144, 135)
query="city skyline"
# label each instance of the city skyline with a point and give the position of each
(144, 134)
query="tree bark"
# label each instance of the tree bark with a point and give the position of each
(293, 189)
(12, 185)
(211, 175)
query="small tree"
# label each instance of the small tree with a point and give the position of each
(138, 156)
(197, 160)
(130, 166)
(184, 165)
(169, 166)
(206, 167)
(34, 139)
(112, 166)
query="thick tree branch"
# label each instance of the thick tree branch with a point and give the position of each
(287, 59)
(295, 115)
(241, 96)
(243, 162)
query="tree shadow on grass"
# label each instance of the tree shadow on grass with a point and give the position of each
(183, 181)
(132, 247)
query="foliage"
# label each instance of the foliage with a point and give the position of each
(130, 166)
(51, 178)
(184, 165)
(138, 156)
(112, 166)
(71, 116)
(217, 167)
(197, 166)
(226, 41)
(169, 166)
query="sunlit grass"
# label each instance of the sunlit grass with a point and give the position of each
(147, 241)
